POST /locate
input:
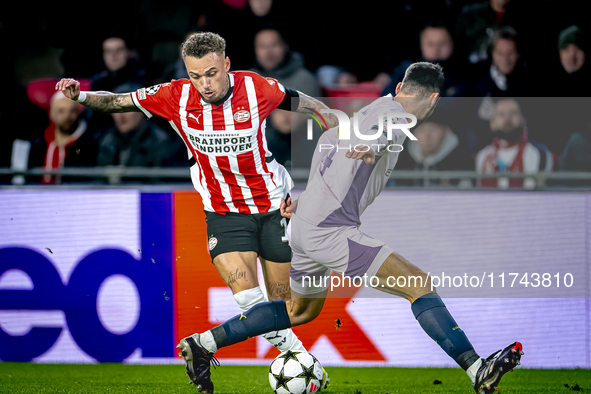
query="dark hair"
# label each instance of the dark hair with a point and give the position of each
(506, 33)
(122, 34)
(422, 79)
(272, 27)
(436, 24)
(200, 44)
(497, 100)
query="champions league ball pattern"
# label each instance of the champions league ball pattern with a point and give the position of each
(295, 373)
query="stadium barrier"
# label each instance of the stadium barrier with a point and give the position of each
(116, 175)
(111, 275)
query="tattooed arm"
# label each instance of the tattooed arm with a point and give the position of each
(97, 101)
(109, 102)
(308, 103)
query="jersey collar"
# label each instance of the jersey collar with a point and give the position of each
(226, 96)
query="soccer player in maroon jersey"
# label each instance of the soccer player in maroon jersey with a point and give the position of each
(220, 115)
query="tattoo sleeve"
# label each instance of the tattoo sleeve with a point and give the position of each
(110, 102)
(307, 103)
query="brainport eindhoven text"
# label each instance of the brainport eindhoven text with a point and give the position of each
(221, 144)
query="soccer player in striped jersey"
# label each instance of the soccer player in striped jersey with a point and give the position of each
(325, 236)
(220, 115)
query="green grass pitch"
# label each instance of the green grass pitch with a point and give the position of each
(118, 378)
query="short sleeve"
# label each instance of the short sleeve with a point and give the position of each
(155, 100)
(272, 93)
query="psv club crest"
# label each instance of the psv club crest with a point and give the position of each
(212, 242)
(241, 116)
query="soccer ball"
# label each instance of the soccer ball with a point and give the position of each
(295, 373)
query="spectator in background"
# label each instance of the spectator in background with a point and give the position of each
(163, 25)
(577, 153)
(274, 59)
(331, 76)
(256, 15)
(176, 70)
(475, 27)
(569, 83)
(260, 8)
(66, 142)
(437, 46)
(511, 150)
(538, 24)
(133, 140)
(503, 75)
(121, 67)
(437, 149)
(574, 77)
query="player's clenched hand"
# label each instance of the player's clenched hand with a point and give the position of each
(368, 156)
(70, 87)
(285, 208)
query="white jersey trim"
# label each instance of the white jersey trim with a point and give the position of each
(196, 171)
(246, 193)
(224, 187)
(254, 111)
(137, 104)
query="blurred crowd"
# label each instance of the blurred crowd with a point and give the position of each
(515, 97)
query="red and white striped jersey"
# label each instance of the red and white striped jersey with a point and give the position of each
(234, 170)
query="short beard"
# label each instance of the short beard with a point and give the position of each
(511, 136)
(71, 130)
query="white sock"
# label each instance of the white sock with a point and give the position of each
(471, 371)
(246, 299)
(283, 340)
(207, 341)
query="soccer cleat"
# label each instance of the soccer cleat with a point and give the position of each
(495, 366)
(198, 361)
(325, 380)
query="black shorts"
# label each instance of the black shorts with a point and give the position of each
(263, 233)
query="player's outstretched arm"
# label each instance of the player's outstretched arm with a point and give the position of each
(97, 101)
(308, 103)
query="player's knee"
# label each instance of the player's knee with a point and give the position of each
(417, 286)
(303, 317)
(302, 312)
(420, 291)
